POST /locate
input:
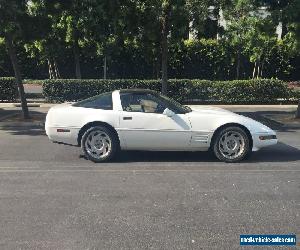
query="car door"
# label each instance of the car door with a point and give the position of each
(144, 126)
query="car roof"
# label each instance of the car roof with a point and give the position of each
(137, 91)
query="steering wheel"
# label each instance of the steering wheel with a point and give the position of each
(128, 108)
(160, 108)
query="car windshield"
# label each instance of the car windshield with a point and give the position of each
(175, 105)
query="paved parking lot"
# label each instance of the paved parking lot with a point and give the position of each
(53, 198)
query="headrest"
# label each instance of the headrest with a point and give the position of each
(148, 103)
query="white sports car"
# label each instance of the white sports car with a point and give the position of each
(145, 120)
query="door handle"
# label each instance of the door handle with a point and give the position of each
(127, 118)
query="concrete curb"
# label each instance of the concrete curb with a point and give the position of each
(32, 105)
(29, 105)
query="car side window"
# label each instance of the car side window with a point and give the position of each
(142, 102)
(103, 101)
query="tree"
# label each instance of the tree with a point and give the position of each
(282, 12)
(70, 20)
(259, 41)
(294, 27)
(155, 25)
(287, 13)
(239, 26)
(46, 51)
(67, 26)
(18, 24)
(166, 21)
(105, 27)
(13, 14)
(50, 46)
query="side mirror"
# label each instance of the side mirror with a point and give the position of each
(168, 112)
(187, 107)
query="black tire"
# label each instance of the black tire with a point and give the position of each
(218, 146)
(111, 140)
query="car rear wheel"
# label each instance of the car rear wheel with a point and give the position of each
(99, 144)
(231, 144)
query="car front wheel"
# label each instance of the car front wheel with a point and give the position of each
(231, 144)
(99, 144)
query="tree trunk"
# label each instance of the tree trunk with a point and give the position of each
(157, 62)
(284, 29)
(238, 64)
(104, 67)
(76, 57)
(153, 69)
(50, 69)
(261, 69)
(298, 110)
(164, 64)
(57, 75)
(258, 70)
(254, 70)
(13, 57)
(164, 48)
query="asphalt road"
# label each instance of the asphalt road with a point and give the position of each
(53, 198)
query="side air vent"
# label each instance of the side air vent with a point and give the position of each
(200, 138)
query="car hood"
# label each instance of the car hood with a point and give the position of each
(210, 118)
(211, 110)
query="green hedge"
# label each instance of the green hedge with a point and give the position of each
(8, 89)
(183, 90)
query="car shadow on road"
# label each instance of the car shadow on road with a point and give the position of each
(4, 113)
(32, 130)
(11, 120)
(282, 121)
(278, 153)
(159, 156)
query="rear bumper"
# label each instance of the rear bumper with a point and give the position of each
(63, 134)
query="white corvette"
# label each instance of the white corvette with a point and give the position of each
(145, 120)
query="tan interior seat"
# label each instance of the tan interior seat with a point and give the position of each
(148, 106)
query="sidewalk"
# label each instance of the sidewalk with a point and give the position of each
(30, 104)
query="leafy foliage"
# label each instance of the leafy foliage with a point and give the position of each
(60, 34)
(183, 90)
(8, 89)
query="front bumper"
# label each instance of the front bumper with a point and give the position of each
(261, 140)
